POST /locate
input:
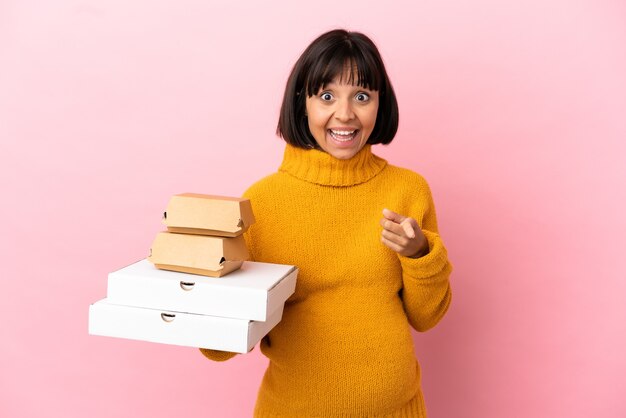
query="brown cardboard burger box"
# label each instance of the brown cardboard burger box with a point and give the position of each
(198, 254)
(193, 213)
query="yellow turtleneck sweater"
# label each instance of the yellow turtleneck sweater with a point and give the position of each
(344, 346)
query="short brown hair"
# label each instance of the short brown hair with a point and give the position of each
(323, 60)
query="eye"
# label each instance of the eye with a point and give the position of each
(326, 96)
(362, 97)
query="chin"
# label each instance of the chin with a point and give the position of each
(344, 153)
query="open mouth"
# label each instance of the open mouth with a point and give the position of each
(343, 136)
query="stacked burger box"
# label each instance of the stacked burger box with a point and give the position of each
(180, 294)
(204, 235)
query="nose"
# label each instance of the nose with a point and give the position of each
(343, 112)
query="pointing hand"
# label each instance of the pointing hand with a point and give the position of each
(403, 235)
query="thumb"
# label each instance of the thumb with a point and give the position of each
(408, 228)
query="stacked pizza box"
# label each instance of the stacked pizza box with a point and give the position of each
(195, 288)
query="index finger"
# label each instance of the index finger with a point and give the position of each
(393, 216)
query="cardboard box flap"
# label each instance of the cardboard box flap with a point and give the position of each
(198, 252)
(251, 292)
(195, 213)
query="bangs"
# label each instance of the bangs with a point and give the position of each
(343, 60)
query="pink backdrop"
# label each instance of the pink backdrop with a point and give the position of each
(514, 112)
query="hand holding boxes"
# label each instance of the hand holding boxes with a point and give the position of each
(174, 307)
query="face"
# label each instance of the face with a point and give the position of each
(341, 117)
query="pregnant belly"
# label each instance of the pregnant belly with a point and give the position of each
(349, 353)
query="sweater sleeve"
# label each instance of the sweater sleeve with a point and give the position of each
(426, 292)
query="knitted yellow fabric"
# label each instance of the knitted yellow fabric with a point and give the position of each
(344, 346)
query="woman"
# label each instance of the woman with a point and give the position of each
(364, 236)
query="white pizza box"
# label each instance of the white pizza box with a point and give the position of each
(251, 292)
(179, 328)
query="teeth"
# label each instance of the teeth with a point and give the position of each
(343, 136)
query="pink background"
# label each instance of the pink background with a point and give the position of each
(515, 112)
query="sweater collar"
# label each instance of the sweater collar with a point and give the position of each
(317, 166)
